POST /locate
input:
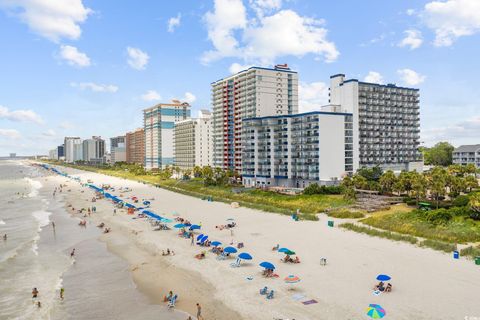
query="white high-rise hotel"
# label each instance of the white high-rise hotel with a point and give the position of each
(255, 92)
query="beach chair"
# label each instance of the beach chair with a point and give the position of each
(222, 256)
(323, 261)
(171, 303)
(236, 264)
(270, 295)
(263, 291)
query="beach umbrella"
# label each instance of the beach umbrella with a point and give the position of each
(267, 265)
(204, 238)
(383, 277)
(146, 203)
(216, 243)
(179, 226)
(245, 256)
(128, 205)
(283, 250)
(165, 220)
(200, 236)
(195, 227)
(230, 250)
(292, 279)
(290, 253)
(375, 311)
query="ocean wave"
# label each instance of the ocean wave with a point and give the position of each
(36, 185)
(2, 222)
(42, 217)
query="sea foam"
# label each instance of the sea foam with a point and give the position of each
(36, 185)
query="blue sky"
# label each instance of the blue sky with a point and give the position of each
(85, 67)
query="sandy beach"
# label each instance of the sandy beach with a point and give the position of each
(426, 284)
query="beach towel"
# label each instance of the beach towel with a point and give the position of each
(313, 301)
(377, 292)
(298, 297)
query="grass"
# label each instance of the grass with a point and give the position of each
(438, 245)
(458, 230)
(309, 205)
(471, 251)
(345, 214)
(401, 207)
(379, 233)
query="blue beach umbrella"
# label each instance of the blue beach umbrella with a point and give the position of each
(165, 220)
(200, 236)
(216, 243)
(230, 250)
(245, 256)
(283, 250)
(383, 277)
(195, 227)
(147, 203)
(204, 238)
(267, 265)
(179, 226)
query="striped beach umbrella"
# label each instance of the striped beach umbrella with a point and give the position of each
(375, 311)
(292, 279)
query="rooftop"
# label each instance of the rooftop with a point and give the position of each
(468, 148)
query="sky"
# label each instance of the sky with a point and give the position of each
(89, 67)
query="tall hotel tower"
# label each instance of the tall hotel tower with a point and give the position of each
(255, 92)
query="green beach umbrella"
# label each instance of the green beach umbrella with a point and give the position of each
(375, 311)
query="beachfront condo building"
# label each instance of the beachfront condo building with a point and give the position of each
(297, 150)
(73, 149)
(193, 144)
(61, 152)
(53, 154)
(386, 122)
(254, 92)
(467, 154)
(94, 150)
(159, 123)
(135, 141)
(118, 151)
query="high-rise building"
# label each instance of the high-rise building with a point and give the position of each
(297, 150)
(73, 149)
(118, 151)
(61, 152)
(53, 154)
(467, 154)
(136, 146)
(94, 150)
(159, 122)
(193, 144)
(386, 122)
(255, 92)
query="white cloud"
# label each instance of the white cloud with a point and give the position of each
(312, 96)
(137, 59)
(237, 67)
(10, 133)
(20, 115)
(263, 40)
(52, 19)
(74, 57)
(174, 22)
(410, 12)
(189, 97)
(49, 133)
(467, 130)
(410, 77)
(452, 19)
(151, 95)
(413, 39)
(261, 7)
(66, 125)
(95, 87)
(374, 77)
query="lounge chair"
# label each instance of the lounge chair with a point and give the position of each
(270, 295)
(171, 303)
(222, 256)
(264, 291)
(235, 264)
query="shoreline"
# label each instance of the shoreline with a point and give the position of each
(341, 290)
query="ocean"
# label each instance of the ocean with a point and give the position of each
(97, 286)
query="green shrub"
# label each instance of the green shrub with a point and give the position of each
(378, 233)
(314, 188)
(440, 216)
(411, 202)
(471, 251)
(439, 245)
(461, 201)
(345, 214)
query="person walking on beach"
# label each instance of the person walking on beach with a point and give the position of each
(199, 311)
(34, 293)
(62, 292)
(193, 239)
(5, 237)
(72, 254)
(53, 225)
(114, 211)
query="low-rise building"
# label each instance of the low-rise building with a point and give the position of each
(467, 154)
(297, 150)
(193, 144)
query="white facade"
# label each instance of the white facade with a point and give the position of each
(159, 123)
(118, 151)
(193, 141)
(386, 122)
(467, 154)
(297, 150)
(53, 154)
(94, 150)
(73, 149)
(255, 92)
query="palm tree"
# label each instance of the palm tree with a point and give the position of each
(438, 183)
(387, 181)
(197, 171)
(471, 183)
(419, 185)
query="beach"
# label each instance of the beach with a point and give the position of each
(426, 284)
